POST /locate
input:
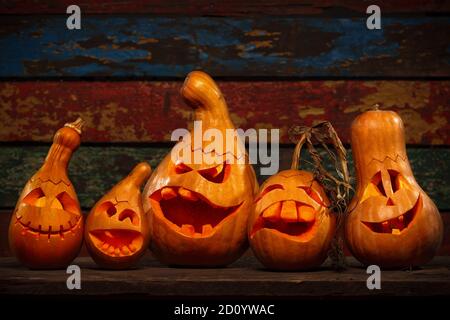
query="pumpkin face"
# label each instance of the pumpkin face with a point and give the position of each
(291, 227)
(117, 232)
(397, 203)
(199, 211)
(392, 221)
(47, 225)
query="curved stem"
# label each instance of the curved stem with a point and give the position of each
(202, 94)
(77, 125)
(298, 151)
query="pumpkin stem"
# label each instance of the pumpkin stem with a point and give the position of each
(335, 182)
(297, 152)
(376, 107)
(77, 125)
(202, 94)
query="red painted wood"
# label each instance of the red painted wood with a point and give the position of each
(135, 111)
(222, 8)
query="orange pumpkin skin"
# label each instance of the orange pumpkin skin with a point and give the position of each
(291, 227)
(117, 231)
(199, 212)
(46, 229)
(392, 222)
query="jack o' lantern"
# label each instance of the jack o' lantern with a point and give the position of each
(199, 211)
(116, 231)
(392, 222)
(291, 227)
(46, 229)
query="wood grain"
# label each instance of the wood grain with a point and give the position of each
(148, 111)
(222, 8)
(245, 278)
(95, 169)
(139, 46)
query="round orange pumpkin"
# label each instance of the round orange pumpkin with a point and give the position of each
(199, 211)
(46, 229)
(392, 222)
(117, 231)
(291, 227)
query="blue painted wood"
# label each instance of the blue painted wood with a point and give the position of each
(138, 46)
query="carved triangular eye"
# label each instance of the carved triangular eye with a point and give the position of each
(217, 174)
(377, 181)
(394, 176)
(181, 168)
(374, 188)
(67, 203)
(35, 198)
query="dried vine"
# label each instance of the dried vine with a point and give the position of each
(336, 184)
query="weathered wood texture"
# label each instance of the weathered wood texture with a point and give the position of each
(223, 8)
(243, 278)
(136, 46)
(95, 169)
(148, 111)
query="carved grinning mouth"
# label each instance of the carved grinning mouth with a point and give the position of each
(395, 225)
(48, 231)
(292, 218)
(192, 213)
(117, 242)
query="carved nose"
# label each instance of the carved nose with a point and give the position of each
(390, 202)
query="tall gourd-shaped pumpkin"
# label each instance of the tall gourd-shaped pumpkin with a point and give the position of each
(116, 231)
(392, 222)
(292, 227)
(46, 229)
(199, 211)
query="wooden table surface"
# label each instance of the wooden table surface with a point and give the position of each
(244, 278)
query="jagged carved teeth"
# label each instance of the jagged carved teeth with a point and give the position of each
(116, 242)
(191, 212)
(289, 211)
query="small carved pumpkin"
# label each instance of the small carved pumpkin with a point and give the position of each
(117, 232)
(392, 222)
(46, 229)
(292, 226)
(199, 211)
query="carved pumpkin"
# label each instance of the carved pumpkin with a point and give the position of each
(199, 212)
(46, 229)
(116, 230)
(392, 222)
(292, 226)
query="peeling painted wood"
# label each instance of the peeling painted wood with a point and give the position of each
(137, 111)
(139, 46)
(222, 8)
(95, 169)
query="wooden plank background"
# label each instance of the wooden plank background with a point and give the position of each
(224, 8)
(140, 46)
(279, 63)
(148, 111)
(95, 169)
